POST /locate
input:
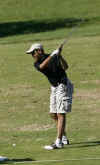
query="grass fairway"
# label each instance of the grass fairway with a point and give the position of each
(24, 104)
(24, 93)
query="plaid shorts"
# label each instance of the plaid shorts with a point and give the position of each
(61, 98)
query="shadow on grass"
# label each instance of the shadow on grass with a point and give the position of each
(73, 145)
(9, 161)
(84, 144)
(33, 26)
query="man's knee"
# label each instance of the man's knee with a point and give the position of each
(61, 115)
(54, 116)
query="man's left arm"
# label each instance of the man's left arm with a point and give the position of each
(64, 63)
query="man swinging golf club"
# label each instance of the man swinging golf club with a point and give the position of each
(53, 66)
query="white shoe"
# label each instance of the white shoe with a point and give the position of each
(54, 146)
(65, 140)
(2, 158)
(57, 145)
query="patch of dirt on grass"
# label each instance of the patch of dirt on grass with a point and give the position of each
(85, 94)
(35, 127)
(23, 90)
(91, 81)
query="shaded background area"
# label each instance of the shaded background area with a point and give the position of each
(37, 26)
(47, 19)
(26, 17)
(26, 27)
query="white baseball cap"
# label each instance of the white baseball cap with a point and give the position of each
(34, 47)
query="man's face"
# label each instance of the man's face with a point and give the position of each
(37, 54)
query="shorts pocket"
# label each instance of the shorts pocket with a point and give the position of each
(67, 104)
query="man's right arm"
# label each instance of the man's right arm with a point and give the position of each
(45, 63)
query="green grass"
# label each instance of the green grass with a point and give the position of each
(32, 10)
(47, 19)
(24, 103)
(24, 92)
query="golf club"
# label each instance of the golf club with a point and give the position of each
(70, 34)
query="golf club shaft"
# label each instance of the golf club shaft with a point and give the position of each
(70, 34)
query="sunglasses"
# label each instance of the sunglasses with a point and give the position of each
(34, 52)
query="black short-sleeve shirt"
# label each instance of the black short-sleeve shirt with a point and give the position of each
(54, 71)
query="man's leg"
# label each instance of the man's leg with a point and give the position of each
(64, 127)
(61, 134)
(61, 125)
(59, 122)
(62, 109)
(55, 117)
(59, 119)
